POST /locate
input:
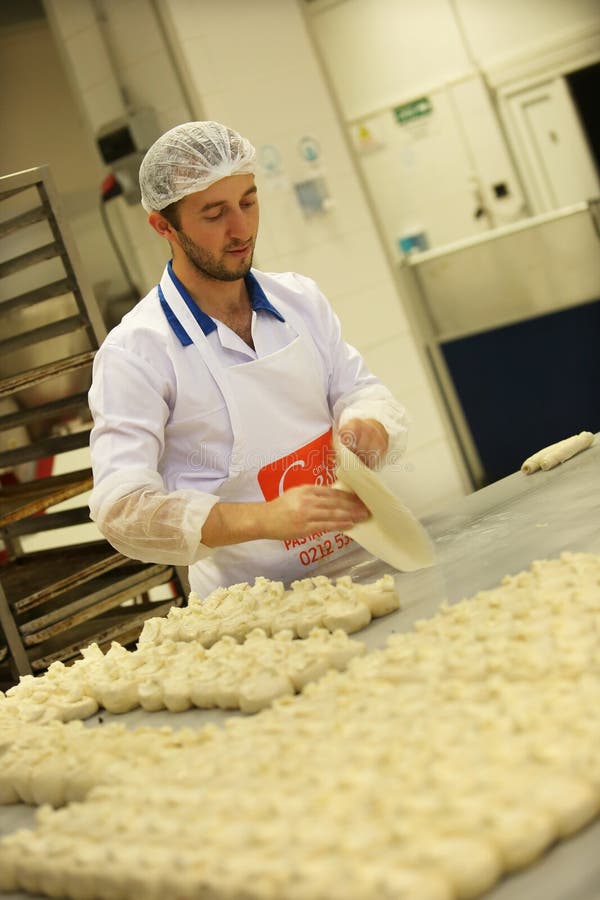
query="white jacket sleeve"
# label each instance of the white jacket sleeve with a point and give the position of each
(129, 502)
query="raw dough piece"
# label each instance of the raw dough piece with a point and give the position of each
(380, 596)
(262, 689)
(471, 864)
(288, 615)
(307, 669)
(176, 693)
(309, 615)
(118, 696)
(414, 884)
(8, 793)
(48, 783)
(150, 695)
(391, 533)
(338, 647)
(226, 690)
(557, 453)
(82, 708)
(570, 799)
(236, 623)
(10, 857)
(202, 691)
(347, 613)
(152, 632)
(521, 835)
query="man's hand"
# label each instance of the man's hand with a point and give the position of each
(298, 512)
(367, 438)
(308, 508)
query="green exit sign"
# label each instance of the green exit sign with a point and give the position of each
(413, 110)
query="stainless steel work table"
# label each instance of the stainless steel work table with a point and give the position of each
(496, 531)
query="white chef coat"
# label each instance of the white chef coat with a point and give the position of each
(168, 439)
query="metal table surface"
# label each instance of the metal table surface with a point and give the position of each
(496, 531)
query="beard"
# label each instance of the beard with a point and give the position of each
(207, 264)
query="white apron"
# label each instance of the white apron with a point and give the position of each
(282, 431)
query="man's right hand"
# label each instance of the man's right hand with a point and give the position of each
(309, 508)
(296, 513)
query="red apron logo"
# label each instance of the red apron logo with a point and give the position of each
(311, 464)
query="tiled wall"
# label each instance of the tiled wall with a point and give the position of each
(253, 67)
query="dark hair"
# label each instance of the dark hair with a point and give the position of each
(171, 214)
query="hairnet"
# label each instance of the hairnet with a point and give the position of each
(189, 158)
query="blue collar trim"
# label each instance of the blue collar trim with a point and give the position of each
(184, 338)
(258, 299)
(205, 322)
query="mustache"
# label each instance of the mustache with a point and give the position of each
(239, 245)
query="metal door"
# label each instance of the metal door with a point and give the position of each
(550, 143)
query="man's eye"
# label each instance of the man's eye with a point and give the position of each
(214, 218)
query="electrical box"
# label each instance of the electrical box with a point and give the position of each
(123, 143)
(127, 135)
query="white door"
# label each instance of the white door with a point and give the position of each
(550, 145)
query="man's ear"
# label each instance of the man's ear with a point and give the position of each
(161, 226)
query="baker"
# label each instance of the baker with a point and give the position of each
(215, 399)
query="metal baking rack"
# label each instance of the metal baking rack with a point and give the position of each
(54, 602)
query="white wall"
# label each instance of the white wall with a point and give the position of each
(379, 52)
(511, 28)
(272, 90)
(43, 125)
(436, 172)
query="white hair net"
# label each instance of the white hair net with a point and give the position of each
(189, 158)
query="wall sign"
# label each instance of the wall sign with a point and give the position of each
(269, 158)
(309, 148)
(366, 136)
(416, 109)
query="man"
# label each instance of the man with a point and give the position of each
(215, 399)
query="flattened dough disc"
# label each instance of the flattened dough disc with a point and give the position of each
(392, 533)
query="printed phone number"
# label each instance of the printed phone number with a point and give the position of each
(319, 551)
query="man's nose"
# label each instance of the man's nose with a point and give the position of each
(238, 224)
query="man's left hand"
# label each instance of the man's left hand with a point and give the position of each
(367, 438)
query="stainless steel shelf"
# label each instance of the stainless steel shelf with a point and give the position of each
(506, 277)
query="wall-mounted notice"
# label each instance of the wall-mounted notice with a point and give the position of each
(269, 159)
(367, 136)
(309, 149)
(416, 109)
